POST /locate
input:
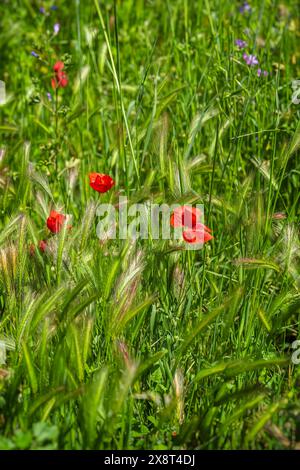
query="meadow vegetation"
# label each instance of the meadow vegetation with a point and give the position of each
(121, 344)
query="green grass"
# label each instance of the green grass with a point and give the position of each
(121, 345)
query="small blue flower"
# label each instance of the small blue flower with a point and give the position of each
(42, 10)
(34, 54)
(53, 8)
(49, 96)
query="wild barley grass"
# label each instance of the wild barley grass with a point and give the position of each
(116, 344)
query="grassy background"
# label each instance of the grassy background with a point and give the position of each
(143, 345)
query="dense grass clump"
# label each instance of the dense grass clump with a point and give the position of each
(117, 344)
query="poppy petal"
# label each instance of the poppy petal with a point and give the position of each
(185, 216)
(199, 235)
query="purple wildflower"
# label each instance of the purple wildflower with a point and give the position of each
(240, 43)
(56, 28)
(34, 54)
(264, 72)
(49, 96)
(250, 59)
(245, 7)
(53, 8)
(42, 10)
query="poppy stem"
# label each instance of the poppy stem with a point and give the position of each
(56, 127)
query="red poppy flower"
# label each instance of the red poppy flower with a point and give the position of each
(55, 221)
(61, 78)
(100, 182)
(185, 216)
(200, 234)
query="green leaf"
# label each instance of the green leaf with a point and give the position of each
(230, 369)
(30, 368)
